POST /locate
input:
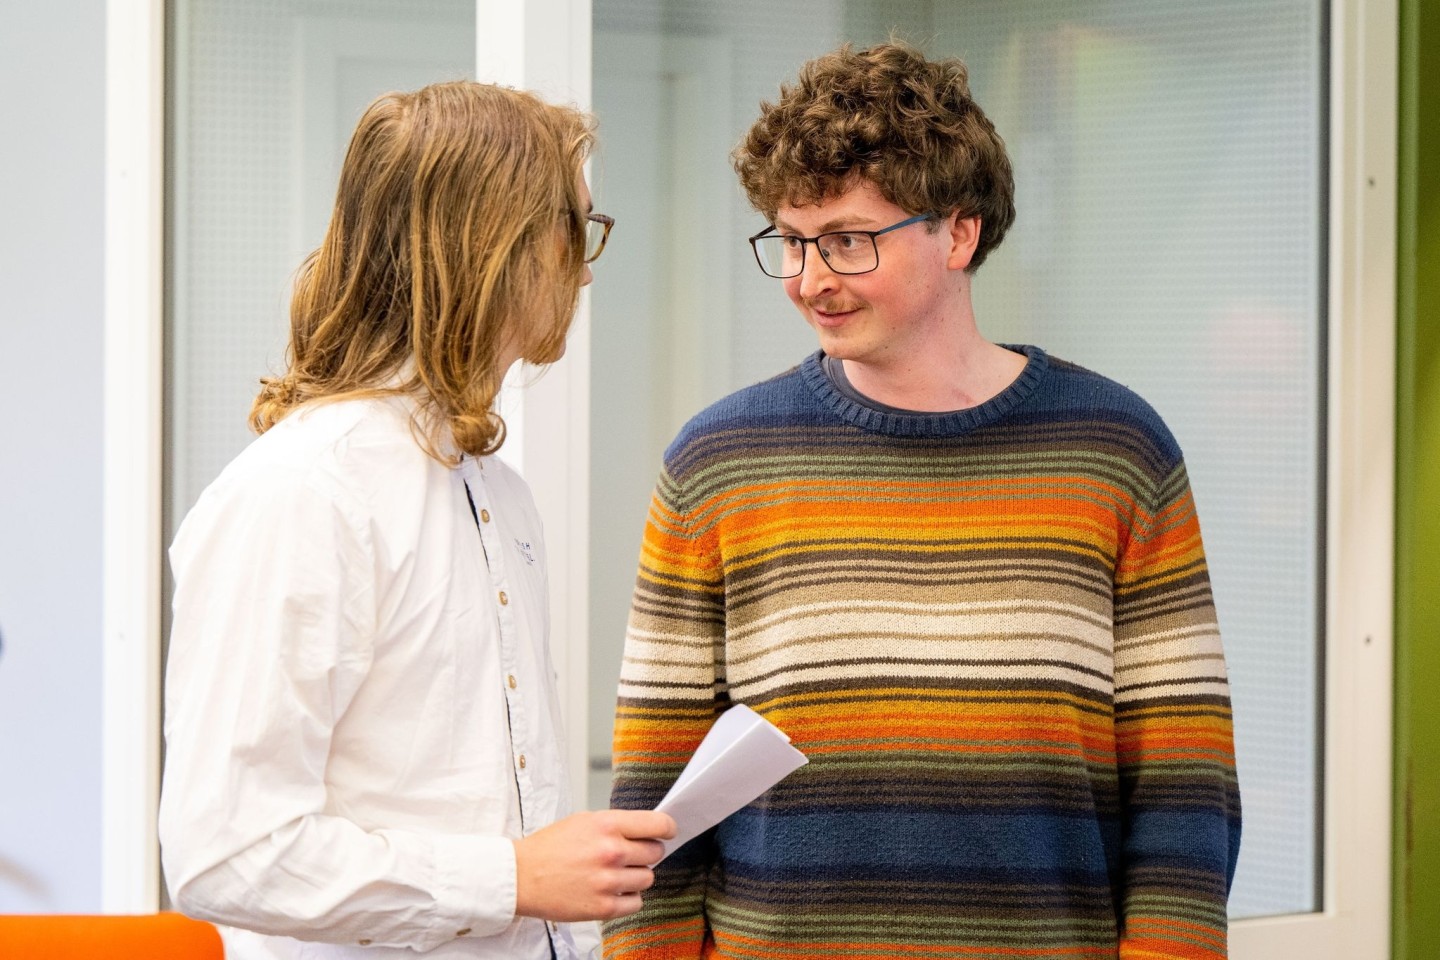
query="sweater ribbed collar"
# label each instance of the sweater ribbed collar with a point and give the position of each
(918, 424)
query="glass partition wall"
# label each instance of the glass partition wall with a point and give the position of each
(262, 100)
(1170, 163)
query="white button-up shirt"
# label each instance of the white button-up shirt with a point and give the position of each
(360, 702)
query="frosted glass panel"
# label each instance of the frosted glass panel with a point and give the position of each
(1170, 168)
(1169, 184)
(264, 98)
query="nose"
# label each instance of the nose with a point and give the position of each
(586, 277)
(816, 277)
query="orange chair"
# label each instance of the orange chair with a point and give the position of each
(155, 936)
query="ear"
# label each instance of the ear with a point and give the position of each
(964, 235)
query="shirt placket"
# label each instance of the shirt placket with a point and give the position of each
(513, 681)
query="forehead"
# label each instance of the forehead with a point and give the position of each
(859, 205)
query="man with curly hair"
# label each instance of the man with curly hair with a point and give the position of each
(967, 580)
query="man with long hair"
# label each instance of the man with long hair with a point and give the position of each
(362, 729)
(966, 579)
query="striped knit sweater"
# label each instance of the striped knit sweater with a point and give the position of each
(991, 632)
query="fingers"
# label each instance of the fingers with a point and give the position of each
(625, 905)
(643, 824)
(641, 828)
(635, 853)
(630, 884)
(618, 894)
(634, 881)
(651, 852)
(589, 865)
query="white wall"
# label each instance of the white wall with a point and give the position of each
(52, 65)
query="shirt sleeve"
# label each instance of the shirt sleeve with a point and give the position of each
(275, 616)
(670, 690)
(1180, 801)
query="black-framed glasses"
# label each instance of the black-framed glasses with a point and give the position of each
(597, 232)
(849, 252)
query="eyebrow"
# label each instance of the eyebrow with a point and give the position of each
(831, 226)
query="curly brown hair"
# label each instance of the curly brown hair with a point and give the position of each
(890, 116)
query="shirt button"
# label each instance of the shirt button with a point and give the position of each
(511, 680)
(504, 600)
(462, 933)
(484, 516)
(365, 943)
(522, 761)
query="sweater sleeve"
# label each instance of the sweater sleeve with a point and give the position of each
(671, 686)
(1179, 797)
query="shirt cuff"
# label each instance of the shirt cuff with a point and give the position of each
(477, 890)
(586, 939)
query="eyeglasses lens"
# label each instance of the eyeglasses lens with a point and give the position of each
(782, 256)
(597, 231)
(594, 239)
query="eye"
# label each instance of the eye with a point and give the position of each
(849, 242)
(791, 242)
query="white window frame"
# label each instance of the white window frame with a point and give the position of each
(545, 45)
(133, 520)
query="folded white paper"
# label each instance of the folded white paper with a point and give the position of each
(741, 757)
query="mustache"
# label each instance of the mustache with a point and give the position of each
(833, 306)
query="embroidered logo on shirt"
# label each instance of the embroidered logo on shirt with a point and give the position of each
(525, 549)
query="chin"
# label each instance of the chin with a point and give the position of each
(838, 347)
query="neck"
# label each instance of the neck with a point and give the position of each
(955, 370)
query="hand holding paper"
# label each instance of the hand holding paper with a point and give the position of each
(741, 757)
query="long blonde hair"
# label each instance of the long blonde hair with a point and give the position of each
(458, 232)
